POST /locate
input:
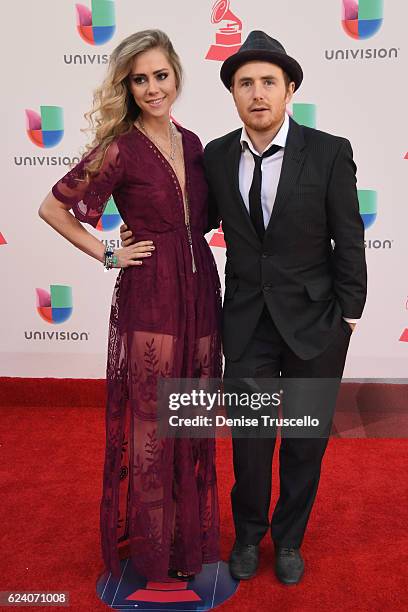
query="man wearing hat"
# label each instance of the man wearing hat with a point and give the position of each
(284, 192)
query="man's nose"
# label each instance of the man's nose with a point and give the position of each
(258, 91)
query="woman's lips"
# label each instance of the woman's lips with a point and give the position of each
(156, 102)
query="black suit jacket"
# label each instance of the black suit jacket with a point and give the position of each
(306, 284)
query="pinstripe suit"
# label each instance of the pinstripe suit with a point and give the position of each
(285, 299)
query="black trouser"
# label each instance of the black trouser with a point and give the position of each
(268, 356)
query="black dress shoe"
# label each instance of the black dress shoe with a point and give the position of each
(243, 561)
(289, 565)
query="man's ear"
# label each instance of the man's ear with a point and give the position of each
(290, 92)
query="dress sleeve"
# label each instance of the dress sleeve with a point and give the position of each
(88, 198)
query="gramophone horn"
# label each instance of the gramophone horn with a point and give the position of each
(219, 9)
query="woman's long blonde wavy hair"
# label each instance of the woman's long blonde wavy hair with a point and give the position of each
(114, 109)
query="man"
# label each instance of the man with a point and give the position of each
(284, 192)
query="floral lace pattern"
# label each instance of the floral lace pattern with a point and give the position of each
(88, 199)
(159, 495)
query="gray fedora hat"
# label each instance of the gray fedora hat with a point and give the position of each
(260, 46)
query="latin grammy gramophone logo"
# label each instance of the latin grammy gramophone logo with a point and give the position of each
(228, 39)
(217, 239)
(213, 587)
(404, 335)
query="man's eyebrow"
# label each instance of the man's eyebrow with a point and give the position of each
(267, 76)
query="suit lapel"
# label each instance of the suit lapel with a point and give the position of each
(293, 159)
(232, 159)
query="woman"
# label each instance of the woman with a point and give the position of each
(160, 495)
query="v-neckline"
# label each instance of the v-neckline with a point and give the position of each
(169, 166)
(185, 202)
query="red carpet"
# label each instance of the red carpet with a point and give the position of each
(51, 453)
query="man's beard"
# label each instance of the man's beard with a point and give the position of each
(260, 126)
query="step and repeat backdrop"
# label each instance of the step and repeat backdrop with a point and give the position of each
(54, 299)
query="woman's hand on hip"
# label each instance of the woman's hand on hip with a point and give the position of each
(132, 255)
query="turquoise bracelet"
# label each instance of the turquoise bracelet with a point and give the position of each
(110, 260)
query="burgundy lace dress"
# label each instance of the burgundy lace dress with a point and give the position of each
(159, 495)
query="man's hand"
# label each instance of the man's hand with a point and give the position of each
(126, 236)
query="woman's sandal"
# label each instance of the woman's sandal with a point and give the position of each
(180, 576)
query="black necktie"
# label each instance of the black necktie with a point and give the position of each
(255, 203)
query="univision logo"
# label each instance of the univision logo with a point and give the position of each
(304, 114)
(362, 18)
(47, 128)
(367, 199)
(96, 26)
(2, 239)
(110, 219)
(55, 306)
(43, 160)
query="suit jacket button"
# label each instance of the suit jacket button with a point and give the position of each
(267, 286)
(265, 255)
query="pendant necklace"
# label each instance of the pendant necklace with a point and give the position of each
(172, 159)
(172, 138)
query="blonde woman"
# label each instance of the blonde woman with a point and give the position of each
(159, 496)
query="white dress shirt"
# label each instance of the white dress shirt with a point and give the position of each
(271, 170)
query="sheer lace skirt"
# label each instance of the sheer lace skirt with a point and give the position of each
(159, 495)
